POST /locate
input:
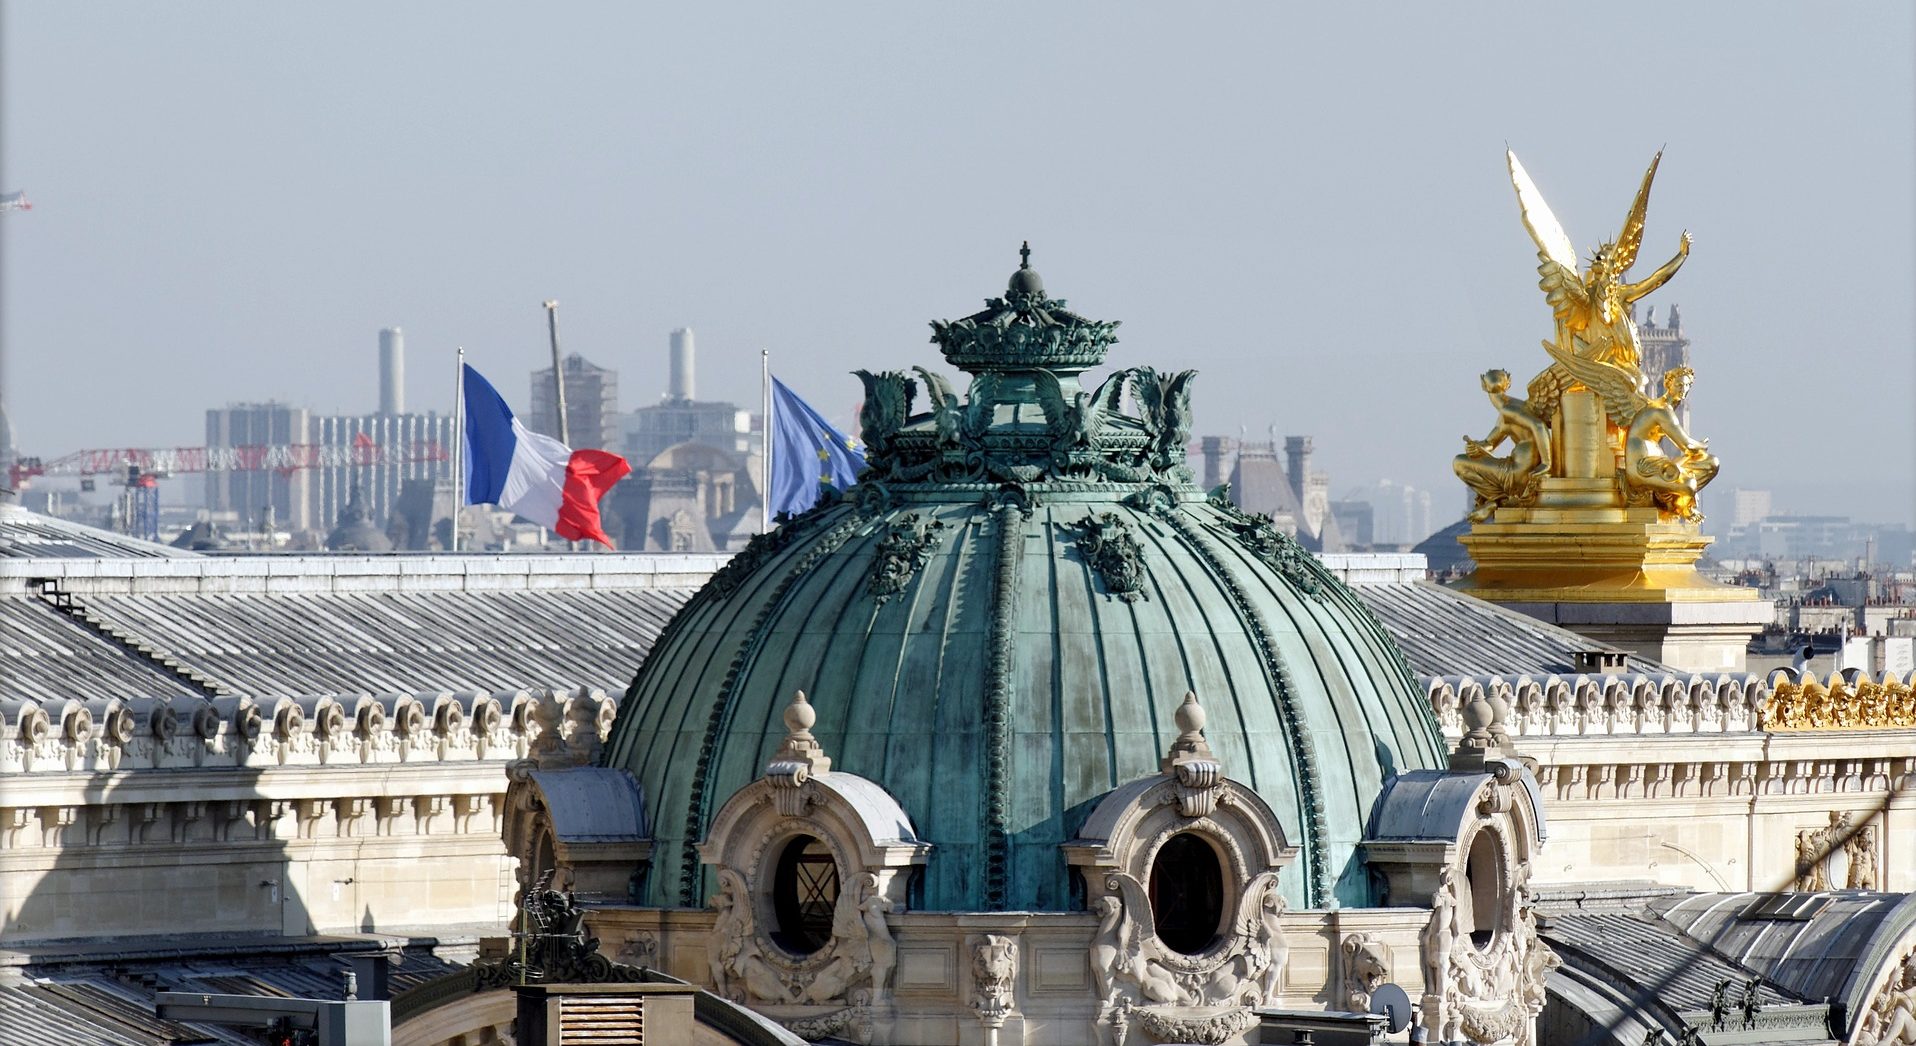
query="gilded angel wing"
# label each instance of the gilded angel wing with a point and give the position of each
(1631, 238)
(1537, 217)
(1612, 384)
(1556, 258)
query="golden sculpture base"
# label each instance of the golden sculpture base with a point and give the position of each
(1577, 545)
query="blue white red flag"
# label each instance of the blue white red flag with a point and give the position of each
(536, 477)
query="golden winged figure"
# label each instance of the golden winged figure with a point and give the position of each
(1650, 475)
(1592, 307)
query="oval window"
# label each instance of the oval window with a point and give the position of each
(1187, 894)
(1484, 877)
(804, 895)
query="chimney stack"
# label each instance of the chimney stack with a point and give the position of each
(682, 377)
(1297, 462)
(392, 371)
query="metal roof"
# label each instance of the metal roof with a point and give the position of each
(29, 535)
(1449, 633)
(259, 644)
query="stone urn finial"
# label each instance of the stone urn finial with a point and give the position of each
(800, 748)
(1190, 744)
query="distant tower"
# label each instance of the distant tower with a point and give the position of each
(682, 376)
(1214, 449)
(1664, 348)
(1297, 463)
(392, 371)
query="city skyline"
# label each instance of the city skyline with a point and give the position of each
(1354, 238)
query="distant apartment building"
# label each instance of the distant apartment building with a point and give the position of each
(1752, 506)
(591, 404)
(253, 496)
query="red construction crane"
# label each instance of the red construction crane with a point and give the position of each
(252, 457)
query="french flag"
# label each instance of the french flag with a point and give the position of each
(533, 476)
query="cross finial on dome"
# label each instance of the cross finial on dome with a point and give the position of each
(1024, 256)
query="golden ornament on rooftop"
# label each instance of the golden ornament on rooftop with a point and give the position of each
(1839, 705)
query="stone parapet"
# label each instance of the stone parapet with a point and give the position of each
(291, 816)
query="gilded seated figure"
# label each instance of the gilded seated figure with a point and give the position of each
(1511, 480)
(1670, 483)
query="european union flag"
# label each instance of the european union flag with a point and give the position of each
(808, 454)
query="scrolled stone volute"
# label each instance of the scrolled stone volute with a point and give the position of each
(409, 717)
(206, 721)
(76, 723)
(448, 716)
(243, 716)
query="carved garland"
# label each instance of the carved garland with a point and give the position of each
(904, 550)
(1004, 596)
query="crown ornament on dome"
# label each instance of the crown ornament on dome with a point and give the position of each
(1024, 330)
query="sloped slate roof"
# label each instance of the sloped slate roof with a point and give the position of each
(382, 626)
(344, 642)
(1449, 633)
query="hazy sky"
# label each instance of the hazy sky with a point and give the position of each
(1309, 205)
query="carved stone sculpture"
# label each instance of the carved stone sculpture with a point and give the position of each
(994, 967)
(1366, 968)
(1861, 851)
(1813, 849)
(1890, 1018)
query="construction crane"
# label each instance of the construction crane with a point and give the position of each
(160, 462)
(139, 469)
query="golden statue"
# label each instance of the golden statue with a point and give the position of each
(1595, 499)
(1593, 310)
(1649, 476)
(1513, 480)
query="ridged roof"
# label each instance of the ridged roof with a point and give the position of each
(998, 622)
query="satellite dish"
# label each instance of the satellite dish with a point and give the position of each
(1393, 1003)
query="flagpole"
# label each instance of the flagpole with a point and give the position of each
(458, 444)
(765, 456)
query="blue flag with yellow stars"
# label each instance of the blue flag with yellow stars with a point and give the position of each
(808, 454)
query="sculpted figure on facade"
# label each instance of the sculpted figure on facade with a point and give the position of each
(1861, 851)
(994, 967)
(1515, 478)
(1890, 1019)
(1366, 968)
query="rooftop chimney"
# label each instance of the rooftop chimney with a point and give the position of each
(392, 371)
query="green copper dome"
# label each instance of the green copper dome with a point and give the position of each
(997, 623)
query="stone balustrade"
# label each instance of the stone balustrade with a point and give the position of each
(117, 735)
(1642, 703)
